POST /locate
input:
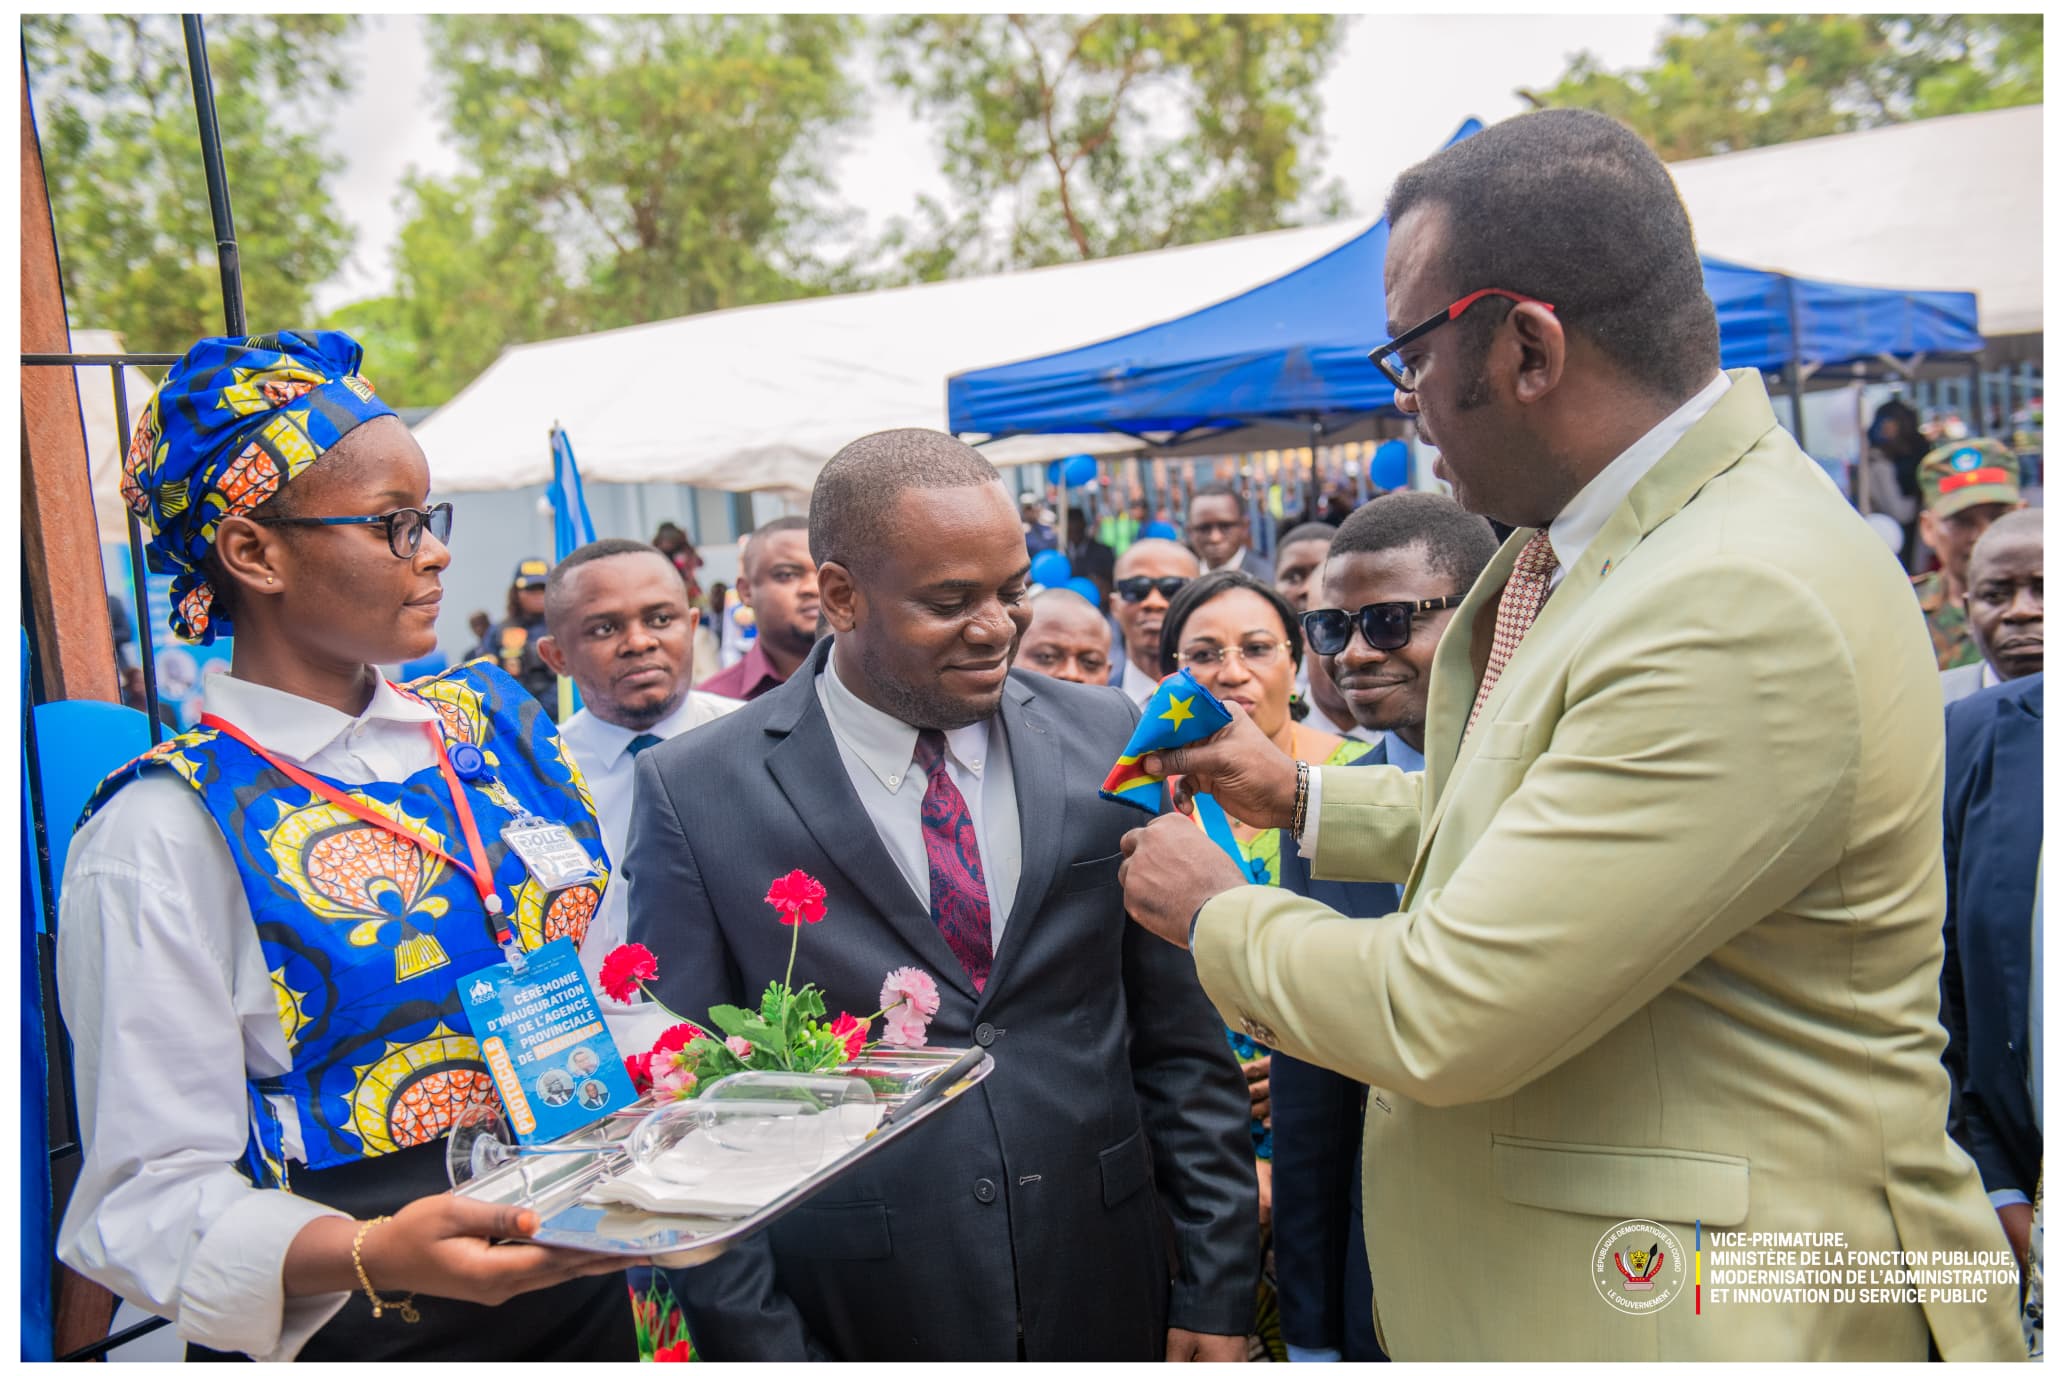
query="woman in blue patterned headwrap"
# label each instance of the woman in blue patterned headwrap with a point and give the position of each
(264, 921)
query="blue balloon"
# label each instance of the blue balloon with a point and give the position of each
(1390, 467)
(1158, 530)
(1078, 470)
(1088, 589)
(1051, 569)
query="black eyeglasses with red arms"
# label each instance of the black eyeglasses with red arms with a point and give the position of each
(1404, 376)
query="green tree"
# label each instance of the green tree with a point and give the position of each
(1109, 133)
(1726, 82)
(620, 170)
(122, 156)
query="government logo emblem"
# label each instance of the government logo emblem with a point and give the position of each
(1638, 1266)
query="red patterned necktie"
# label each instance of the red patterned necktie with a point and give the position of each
(960, 891)
(1518, 605)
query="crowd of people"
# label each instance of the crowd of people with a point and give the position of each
(1593, 874)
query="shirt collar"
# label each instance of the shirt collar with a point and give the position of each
(297, 727)
(1571, 533)
(608, 741)
(1239, 556)
(883, 743)
(753, 669)
(1137, 681)
(1396, 752)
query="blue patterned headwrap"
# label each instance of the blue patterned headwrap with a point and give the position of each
(232, 423)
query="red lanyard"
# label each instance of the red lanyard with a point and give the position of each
(478, 871)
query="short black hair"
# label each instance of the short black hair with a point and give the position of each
(773, 527)
(1572, 208)
(555, 581)
(858, 488)
(1457, 544)
(1198, 591)
(1217, 490)
(1310, 530)
(2026, 520)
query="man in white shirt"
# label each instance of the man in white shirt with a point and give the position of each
(619, 625)
(949, 807)
(1146, 576)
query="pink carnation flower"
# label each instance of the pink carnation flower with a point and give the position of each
(738, 1046)
(672, 1080)
(912, 989)
(901, 1027)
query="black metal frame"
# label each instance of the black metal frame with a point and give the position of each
(63, 1100)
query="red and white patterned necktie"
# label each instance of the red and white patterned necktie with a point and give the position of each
(1518, 605)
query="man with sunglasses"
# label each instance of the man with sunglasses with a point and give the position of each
(1670, 945)
(1218, 531)
(1145, 578)
(1383, 593)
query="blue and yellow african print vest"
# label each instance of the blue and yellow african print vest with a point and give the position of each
(366, 935)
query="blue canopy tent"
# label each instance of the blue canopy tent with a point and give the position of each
(1295, 351)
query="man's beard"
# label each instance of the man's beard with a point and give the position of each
(926, 710)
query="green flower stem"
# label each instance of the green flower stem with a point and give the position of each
(648, 991)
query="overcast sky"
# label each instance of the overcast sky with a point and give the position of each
(1397, 89)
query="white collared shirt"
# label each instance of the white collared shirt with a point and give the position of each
(1579, 523)
(171, 1010)
(877, 751)
(601, 750)
(1572, 532)
(1136, 683)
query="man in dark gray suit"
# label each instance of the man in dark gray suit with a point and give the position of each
(1100, 1202)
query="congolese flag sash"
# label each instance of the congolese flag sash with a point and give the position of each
(1179, 713)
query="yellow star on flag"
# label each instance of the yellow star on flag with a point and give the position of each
(1178, 711)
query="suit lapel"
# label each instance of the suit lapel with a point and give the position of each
(807, 767)
(1040, 785)
(1737, 422)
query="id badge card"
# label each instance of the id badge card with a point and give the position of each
(544, 1041)
(551, 852)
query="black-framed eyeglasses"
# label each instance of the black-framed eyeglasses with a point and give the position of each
(1136, 589)
(405, 526)
(1385, 625)
(1405, 376)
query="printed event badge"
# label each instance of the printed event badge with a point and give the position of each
(551, 852)
(542, 1035)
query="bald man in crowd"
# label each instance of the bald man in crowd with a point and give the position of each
(2003, 602)
(1068, 639)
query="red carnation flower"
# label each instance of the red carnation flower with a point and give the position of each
(678, 1352)
(639, 1068)
(623, 969)
(797, 897)
(852, 1031)
(676, 1037)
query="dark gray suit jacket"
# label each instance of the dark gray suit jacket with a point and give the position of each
(1038, 1221)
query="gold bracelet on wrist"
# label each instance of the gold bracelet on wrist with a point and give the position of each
(1299, 804)
(406, 1304)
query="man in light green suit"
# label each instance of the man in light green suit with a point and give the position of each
(1673, 891)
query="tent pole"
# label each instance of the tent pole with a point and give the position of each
(1311, 509)
(1798, 378)
(218, 180)
(1863, 456)
(1978, 426)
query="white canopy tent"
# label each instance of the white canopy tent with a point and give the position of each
(1945, 204)
(759, 397)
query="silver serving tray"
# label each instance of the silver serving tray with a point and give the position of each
(555, 1185)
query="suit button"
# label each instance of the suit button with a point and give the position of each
(985, 1035)
(985, 1191)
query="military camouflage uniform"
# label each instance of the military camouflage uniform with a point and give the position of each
(1955, 477)
(1948, 626)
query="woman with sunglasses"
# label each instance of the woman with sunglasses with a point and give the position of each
(1241, 639)
(264, 921)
